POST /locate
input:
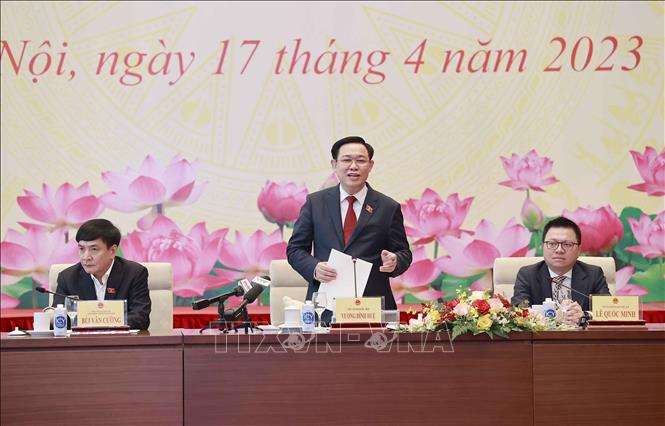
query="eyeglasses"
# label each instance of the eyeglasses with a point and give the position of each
(360, 162)
(566, 245)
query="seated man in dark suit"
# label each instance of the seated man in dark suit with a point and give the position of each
(102, 276)
(354, 219)
(561, 276)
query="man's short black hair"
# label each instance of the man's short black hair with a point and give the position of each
(99, 228)
(563, 222)
(351, 139)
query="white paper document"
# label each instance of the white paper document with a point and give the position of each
(345, 285)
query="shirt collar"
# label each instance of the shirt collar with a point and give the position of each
(105, 277)
(568, 274)
(360, 195)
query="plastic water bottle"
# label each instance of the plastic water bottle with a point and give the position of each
(308, 317)
(549, 308)
(60, 321)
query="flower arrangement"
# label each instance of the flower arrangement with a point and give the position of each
(476, 312)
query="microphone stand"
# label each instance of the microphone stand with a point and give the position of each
(355, 280)
(246, 323)
(221, 323)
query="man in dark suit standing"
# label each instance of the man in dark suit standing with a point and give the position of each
(102, 276)
(354, 219)
(561, 276)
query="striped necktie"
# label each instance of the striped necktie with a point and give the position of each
(558, 292)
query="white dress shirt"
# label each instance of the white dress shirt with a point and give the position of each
(100, 287)
(357, 205)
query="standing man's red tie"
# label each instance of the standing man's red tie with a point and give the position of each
(350, 220)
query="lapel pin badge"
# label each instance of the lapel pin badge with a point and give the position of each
(110, 290)
(369, 209)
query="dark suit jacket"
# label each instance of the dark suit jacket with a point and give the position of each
(534, 284)
(128, 278)
(380, 226)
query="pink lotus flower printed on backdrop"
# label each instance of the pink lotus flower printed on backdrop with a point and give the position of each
(330, 181)
(8, 302)
(33, 253)
(153, 186)
(416, 279)
(532, 217)
(651, 167)
(622, 276)
(251, 255)
(280, 203)
(65, 207)
(192, 256)
(601, 228)
(528, 172)
(474, 254)
(431, 218)
(649, 234)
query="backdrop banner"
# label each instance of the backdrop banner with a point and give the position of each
(199, 128)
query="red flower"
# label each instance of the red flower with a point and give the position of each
(506, 303)
(481, 306)
(525, 313)
(450, 316)
(453, 303)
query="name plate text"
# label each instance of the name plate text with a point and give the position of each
(615, 308)
(354, 310)
(101, 313)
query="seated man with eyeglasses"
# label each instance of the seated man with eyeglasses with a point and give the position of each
(560, 276)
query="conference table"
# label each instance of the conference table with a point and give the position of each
(185, 317)
(347, 376)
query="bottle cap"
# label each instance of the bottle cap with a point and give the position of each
(60, 305)
(308, 302)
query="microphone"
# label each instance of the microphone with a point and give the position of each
(264, 281)
(43, 290)
(250, 296)
(204, 303)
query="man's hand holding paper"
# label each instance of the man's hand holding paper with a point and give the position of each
(345, 284)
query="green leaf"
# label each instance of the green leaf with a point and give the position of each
(24, 285)
(450, 283)
(536, 243)
(501, 333)
(265, 296)
(457, 330)
(26, 300)
(652, 280)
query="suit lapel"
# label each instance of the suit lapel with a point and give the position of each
(545, 281)
(86, 288)
(366, 213)
(335, 214)
(115, 279)
(578, 283)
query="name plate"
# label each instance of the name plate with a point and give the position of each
(101, 313)
(354, 310)
(615, 308)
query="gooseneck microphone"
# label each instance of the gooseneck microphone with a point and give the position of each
(43, 290)
(204, 303)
